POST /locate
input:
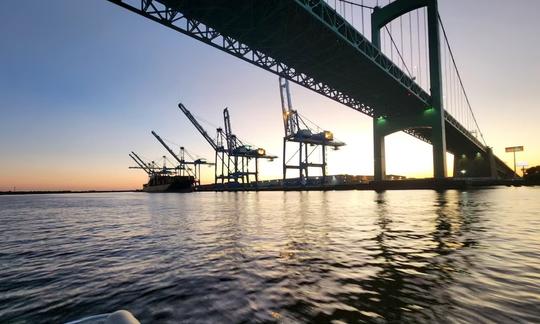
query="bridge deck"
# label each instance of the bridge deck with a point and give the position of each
(288, 33)
(310, 38)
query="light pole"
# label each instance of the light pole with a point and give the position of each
(514, 149)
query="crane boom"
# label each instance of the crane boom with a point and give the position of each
(232, 141)
(290, 116)
(168, 148)
(139, 164)
(140, 160)
(201, 130)
(180, 160)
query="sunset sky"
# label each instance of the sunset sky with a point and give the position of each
(82, 83)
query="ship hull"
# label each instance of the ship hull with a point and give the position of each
(169, 184)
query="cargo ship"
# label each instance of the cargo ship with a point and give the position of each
(169, 183)
(181, 178)
(184, 177)
(164, 179)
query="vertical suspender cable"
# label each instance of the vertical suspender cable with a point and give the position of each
(419, 69)
(463, 109)
(383, 42)
(466, 118)
(411, 42)
(383, 39)
(453, 100)
(399, 54)
(362, 10)
(391, 47)
(466, 98)
(428, 78)
(445, 96)
(401, 36)
(352, 17)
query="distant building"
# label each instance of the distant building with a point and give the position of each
(338, 179)
(351, 179)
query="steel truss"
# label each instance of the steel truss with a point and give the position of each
(175, 20)
(348, 33)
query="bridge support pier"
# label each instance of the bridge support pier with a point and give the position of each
(429, 118)
(379, 157)
(475, 165)
(433, 116)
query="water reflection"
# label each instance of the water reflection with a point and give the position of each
(417, 270)
(414, 267)
(271, 257)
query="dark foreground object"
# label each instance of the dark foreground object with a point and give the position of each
(168, 183)
(410, 184)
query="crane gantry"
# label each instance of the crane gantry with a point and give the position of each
(183, 166)
(297, 130)
(221, 172)
(232, 156)
(241, 154)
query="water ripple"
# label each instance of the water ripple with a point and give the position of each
(351, 256)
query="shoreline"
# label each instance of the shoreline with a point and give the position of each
(409, 184)
(44, 192)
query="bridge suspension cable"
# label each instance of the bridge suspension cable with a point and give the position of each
(398, 51)
(458, 75)
(391, 41)
(357, 4)
(405, 42)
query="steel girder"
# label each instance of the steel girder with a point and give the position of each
(328, 16)
(173, 19)
(345, 30)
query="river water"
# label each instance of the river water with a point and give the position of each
(349, 256)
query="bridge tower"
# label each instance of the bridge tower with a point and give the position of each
(433, 116)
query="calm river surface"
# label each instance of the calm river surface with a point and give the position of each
(348, 256)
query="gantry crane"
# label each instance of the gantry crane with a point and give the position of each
(296, 130)
(221, 173)
(233, 155)
(183, 166)
(241, 154)
(197, 162)
(151, 168)
(142, 165)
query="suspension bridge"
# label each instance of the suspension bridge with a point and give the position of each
(390, 60)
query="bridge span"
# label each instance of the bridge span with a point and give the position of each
(311, 44)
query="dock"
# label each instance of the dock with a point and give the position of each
(405, 184)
